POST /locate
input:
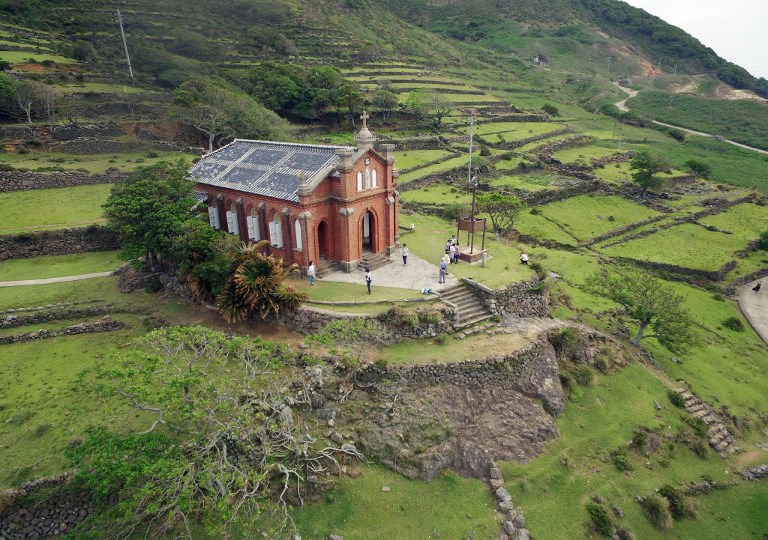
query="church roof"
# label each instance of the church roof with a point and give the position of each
(265, 168)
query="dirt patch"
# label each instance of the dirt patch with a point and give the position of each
(725, 91)
(688, 88)
(751, 457)
(649, 70)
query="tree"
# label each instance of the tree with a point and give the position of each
(351, 339)
(256, 285)
(646, 167)
(699, 169)
(218, 111)
(650, 302)
(231, 444)
(502, 210)
(148, 208)
(28, 96)
(417, 103)
(550, 109)
(439, 107)
(385, 101)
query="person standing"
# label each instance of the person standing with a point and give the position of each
(311, 271)
(456, 254)
(368, 279)
(404, 252)
(443, 271)
(452, 253)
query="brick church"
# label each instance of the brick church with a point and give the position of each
(327, 204)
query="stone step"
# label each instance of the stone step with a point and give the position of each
(474, 320)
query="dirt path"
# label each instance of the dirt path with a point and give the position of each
(622, 106)
(53, 280)
(754, 306)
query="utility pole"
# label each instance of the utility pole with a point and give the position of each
(609, 64)
(621, 136)
(125, 44)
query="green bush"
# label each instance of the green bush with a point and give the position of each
(6, 167)
(734, 323)
(656, 512)
(153, 285)
(567, 342)
(601, 519)
(622, 462)
(697, 424)
(678, 505)
(676, 399)
(583, 375)
(639, 439)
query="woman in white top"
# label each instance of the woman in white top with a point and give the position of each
(405, 252)
(311, 271)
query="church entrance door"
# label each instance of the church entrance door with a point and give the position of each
(369, 226)
(322, 240)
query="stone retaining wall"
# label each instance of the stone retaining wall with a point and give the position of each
(60, 242)
(106, 324)
(51, 517)
(524, 299)
(24, 180)
(674, 271)
(15, 318)
(530, 371)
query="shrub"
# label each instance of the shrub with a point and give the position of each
(566, 342)
(397, 316)
(601, 364)
(152, 154)
(153, 285)
(762, 244)
(6, 167)
(442, 339)
(20, 416)
(734, 323)
(583, 375)
(601, 519)
(42, 429)
(611, 218)
(676, 399)
(622, 462)
(656, 512)
(678, 505)
(639, 439)
(697, 424)
(429, 317)
(535, 211)
(550, 109)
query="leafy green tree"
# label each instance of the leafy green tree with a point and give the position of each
(648, 301)
(386, 101)
(257, 285)
(502, 209)
(204, 257)
(438, 108)
(647, 167)
(351, 339)
(417, 102)
(222, 442)
(217, 110)
(148, 208)
(698, 168)
(550, 109)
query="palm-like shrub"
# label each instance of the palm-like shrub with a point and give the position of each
(256, 285)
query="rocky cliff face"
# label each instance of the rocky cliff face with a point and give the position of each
(420, 420)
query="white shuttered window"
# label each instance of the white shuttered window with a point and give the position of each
(232, 225)
(276, 232)
(213, 217)
(297, 233)
(253, 228)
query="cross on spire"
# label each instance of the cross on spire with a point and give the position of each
(364, 117)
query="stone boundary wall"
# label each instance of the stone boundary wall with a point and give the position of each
(58, 242)
(681, 272)
(51, 517)
(50, 306)
(615, 158)
(308, 320)
(106, 324)
(12, 320)
(25, 180)
(506, 117)
(582, 188)
(520, 368)
(621, 230)
(430, 163)
(524, 299)
(522, 142)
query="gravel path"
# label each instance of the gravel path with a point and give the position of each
(53, 280)
(754, 306)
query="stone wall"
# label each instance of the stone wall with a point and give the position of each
(51, 517)
(23, 180)
(60, 242)
(15, 318)
(524, 299)
(106, 324)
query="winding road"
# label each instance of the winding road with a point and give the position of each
(754, 306)
(622, 106)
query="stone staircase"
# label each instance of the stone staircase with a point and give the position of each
(373, 261)
(326, 267)
(718, 435)
(470, 310)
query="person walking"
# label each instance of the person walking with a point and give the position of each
(311, 272)
(443, 271)
(368, 279)
(405, 252)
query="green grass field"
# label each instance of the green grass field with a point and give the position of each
(452, 163)
(93, 163)
(587, 216)
(20, 57)
(689, 246)
(40, 209)
(49, 266)
(409, 159)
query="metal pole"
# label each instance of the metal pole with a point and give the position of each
(485, 220)
(472, 219)
(125, 44)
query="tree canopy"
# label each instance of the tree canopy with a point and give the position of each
(646, 168)
(649, 301)
(148, 208)
(502, 209)
(219, 111)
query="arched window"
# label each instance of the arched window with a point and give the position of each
(367, 178)
(276, 231)
(254, 231)
(232, 224)
(359, 181)
(374, 179)
(213, 217)
(297, 233)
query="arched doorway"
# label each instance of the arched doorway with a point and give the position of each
(323, 236)
(369, 232)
